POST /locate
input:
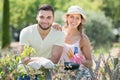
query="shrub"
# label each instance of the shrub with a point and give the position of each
(59, 17)
(99, 29)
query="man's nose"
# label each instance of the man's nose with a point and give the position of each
(45, 20)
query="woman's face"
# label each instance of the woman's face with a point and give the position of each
(74, 20)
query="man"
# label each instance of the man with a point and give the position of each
(47, 41)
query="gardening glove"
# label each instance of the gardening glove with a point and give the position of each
(21, 67)
(34, 65)
(79, 58)
(46, 63)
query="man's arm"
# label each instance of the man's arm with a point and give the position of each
(57, 26)
(56, 53)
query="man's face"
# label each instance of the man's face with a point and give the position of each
(45, 19)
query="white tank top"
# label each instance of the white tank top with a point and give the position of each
(68, 49)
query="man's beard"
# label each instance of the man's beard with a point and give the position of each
(44, 28)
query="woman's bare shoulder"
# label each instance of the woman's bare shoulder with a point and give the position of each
(84, 37)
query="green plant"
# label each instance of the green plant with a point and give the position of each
(99, 29)
(9, 63)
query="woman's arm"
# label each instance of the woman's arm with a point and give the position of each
(86, 50)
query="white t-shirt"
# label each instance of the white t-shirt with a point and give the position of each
(30, 36)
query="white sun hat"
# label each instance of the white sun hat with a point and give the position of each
(76, 10)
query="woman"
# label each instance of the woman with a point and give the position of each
(77, 47)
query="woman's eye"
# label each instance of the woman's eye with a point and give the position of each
(77, 18)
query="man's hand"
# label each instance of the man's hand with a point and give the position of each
(35, 65)
(25, 60)
(37, 62)
(46, 63)
(57, 26)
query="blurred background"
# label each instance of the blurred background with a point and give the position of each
(102, 26)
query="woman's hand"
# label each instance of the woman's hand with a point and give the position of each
(87, 63)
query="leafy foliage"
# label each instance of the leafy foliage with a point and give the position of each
(9, 63)
(99, 29)
(22, 16)
(0, 26)
(111, 9)
(23, 13)
(59, 17)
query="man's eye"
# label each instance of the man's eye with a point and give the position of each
(41, 17)
(49, 17)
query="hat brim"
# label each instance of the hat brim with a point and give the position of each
(83, 16)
